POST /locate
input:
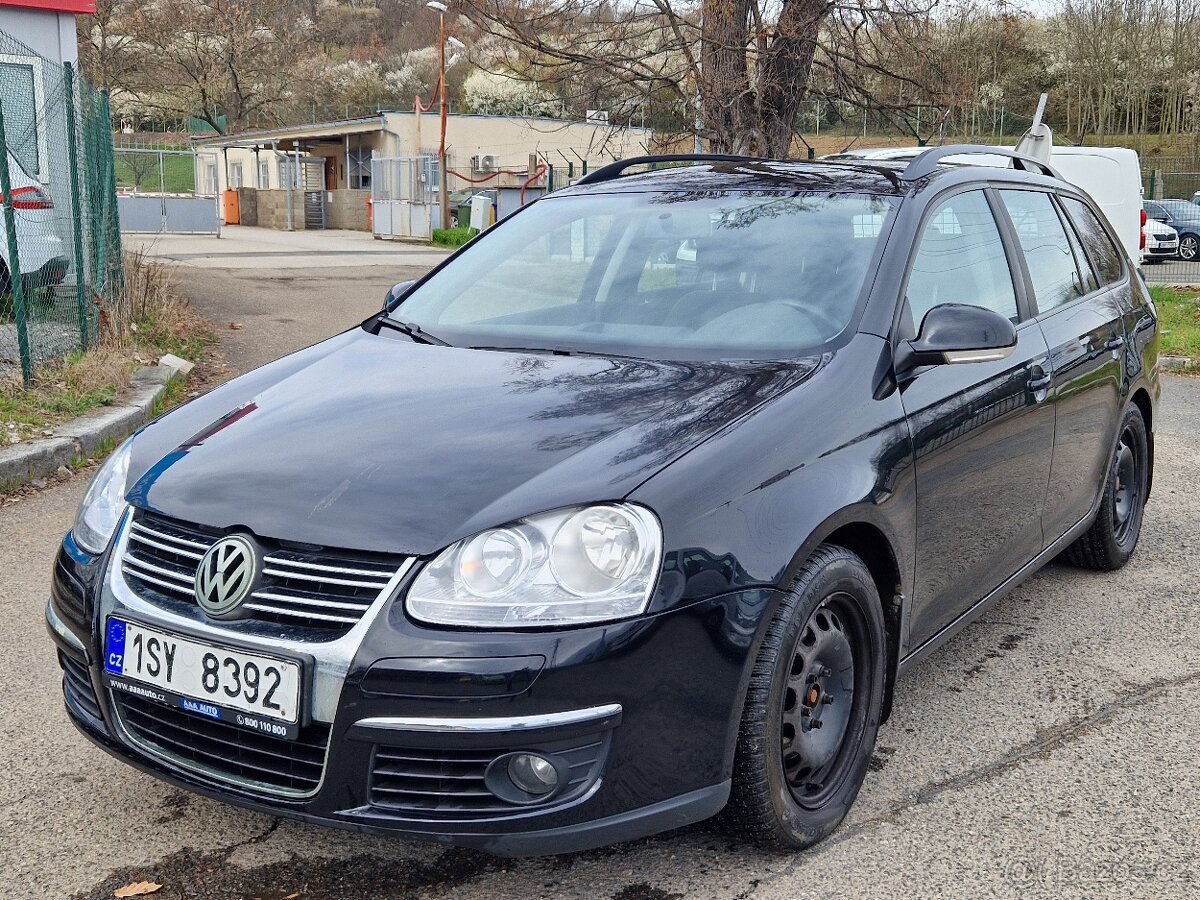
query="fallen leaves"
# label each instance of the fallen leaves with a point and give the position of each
(235, 326)
(138, 889)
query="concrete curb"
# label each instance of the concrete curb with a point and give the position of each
(80, 438)
(1175, 363)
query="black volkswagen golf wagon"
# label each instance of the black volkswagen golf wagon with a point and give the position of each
(628, 514)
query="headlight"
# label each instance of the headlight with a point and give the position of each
(569, 567)
(104, 503)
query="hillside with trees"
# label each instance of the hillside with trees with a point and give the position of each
(758, 76)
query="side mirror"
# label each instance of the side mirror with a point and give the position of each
(396, 294)
(958, 333)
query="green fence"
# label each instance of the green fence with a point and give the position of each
(60, 241)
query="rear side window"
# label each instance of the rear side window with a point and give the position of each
(1099, 245)
(1052, 268)
(961, 259)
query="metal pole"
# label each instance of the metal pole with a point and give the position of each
(16, 283)
(443, 175)
(76, 208)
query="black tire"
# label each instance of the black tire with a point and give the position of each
(1189, 247)
(832, 601)
(1113, 537)
(4, 285)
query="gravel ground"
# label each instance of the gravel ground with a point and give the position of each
(1047, 751)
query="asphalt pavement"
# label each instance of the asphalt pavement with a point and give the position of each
(1048, 751)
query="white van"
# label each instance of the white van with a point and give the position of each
(1112, 176)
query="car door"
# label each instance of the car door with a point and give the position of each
(1082, 322)
(981, 432)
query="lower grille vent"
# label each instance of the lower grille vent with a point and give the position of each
(244, 758)
(77, 688)
(450, 783)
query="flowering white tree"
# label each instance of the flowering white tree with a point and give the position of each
(500, 93)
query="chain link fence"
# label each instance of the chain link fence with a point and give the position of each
(60, 241)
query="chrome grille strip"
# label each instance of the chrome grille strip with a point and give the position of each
(178, 551)
(184, 577)
(302, 614)
(359, 608)
(141, 576)
(170, 538)
(276, 559)
(322, 579)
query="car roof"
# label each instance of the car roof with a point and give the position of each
(880, 177)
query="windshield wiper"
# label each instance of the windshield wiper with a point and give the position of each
(559, 351)
(413, 330)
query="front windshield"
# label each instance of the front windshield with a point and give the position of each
(673, 275)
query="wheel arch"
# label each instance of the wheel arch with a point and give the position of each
(871, 545)
(1141, 399)
(861, 531)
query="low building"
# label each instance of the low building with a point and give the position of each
(322, 175)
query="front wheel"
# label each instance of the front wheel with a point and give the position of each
(1189, 247)
(1113, 537)
(812, 708)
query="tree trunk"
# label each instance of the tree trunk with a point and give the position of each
(755, 112)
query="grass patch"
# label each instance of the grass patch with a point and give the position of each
(1179, 322)
(60, 391)
(453, 237)
(140, 171)
(146, 322)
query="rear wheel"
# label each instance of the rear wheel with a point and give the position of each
(813, 707)
(1113, 537)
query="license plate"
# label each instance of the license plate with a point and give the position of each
(257, 692)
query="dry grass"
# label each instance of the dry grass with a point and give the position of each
(147, 321)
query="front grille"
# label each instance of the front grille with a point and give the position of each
(246, 758)
(328, 591)
(77, 688)
(450, 783)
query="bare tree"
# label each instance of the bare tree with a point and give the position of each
(108, 51)
(735, 71)
(227, 62)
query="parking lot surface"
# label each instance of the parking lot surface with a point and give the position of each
(1047, 751)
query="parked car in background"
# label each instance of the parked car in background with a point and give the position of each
(1182, 216)
(1162, 241)
(567, 545)
(41, 251)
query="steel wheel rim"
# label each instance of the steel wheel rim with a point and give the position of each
(1127, 486)
(1188, 247)
(823, 700)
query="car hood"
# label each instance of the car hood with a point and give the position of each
(377, 443)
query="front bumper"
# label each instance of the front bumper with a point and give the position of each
(646, 709)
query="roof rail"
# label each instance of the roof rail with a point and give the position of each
(616, 169)
(927, 162)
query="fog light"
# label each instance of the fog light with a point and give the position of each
(532, 773)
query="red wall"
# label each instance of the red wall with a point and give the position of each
(67, 6)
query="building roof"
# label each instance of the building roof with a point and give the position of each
(365, 124)
(79, 7)
(257, 138)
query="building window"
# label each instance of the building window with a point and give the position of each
(289, 174)
(264, 174)
(210, 178)
(21, 93)
(235, 175)
(360, 169)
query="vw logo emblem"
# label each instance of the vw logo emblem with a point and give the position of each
(225, 576)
